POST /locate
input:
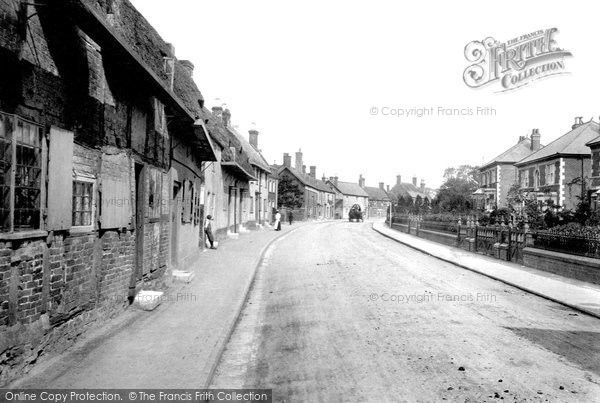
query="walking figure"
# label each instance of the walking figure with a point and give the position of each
(208, 231)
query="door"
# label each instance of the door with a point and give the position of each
(175, 214)
(140, 202)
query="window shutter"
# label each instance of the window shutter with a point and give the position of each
(557, 172)
(60, 179)
(115, 203)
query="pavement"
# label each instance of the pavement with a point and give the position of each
(579, 295)
(178, 344)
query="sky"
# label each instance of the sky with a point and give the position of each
(325, 76)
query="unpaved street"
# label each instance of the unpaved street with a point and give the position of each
(339, 313)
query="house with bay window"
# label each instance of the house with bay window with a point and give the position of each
(555, 173)
(497, 176)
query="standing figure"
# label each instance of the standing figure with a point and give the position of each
(290, 217)
(278, 221)
(208, 231)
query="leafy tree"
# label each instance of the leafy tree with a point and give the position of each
(455, 193)
(289, 193)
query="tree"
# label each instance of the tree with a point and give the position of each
(456, 192)
(467, 173)
(289, 193)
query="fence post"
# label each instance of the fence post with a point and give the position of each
(458, 231)
(476, 229)
(509, 250)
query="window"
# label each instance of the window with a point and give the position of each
(83, 193)
(550, 168)
(525, 178)
(536, 179)
(22, 151)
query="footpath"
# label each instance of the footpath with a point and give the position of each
(579, 295)
(178, 344)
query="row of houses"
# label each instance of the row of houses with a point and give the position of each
(331, 198)
(110, 161)
(561, 173)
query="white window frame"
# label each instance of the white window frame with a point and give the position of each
(80, 177)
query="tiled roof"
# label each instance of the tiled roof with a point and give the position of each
(515, 153)
(572, 143)
(307, 180)
(407, 190)
(351, 188)
(376, 193)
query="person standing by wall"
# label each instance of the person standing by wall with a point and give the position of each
(278, 221)
(290, 217)
(208, 231)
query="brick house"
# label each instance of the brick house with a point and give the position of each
(555, 171)
(318, 197)
(347, 195)
(86, 97)
(497, 176)
(379, 200)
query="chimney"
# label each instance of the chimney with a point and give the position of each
(521, 138)
(414, 180)
(335, 180)
(324, 178)
(226, 116)
(578, 122)
(381, 186)
(287, 160)
(299, 160)
(304, 169)
(422, 185)
(313, 171)
(398, 179)
(217, 112)
(388, 188)
(535, 140)
(188, 66)
(361, 181)
(253, 138)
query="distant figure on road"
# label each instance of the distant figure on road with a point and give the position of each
(290, 217)
(278, 221)
(208, 231)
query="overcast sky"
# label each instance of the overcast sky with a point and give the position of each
(308, 73)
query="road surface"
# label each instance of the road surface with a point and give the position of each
(338, 312)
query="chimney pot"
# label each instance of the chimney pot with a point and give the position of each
(299, 160)
(313, 171)
(253, 138)
(226, 116)
(535, 140)
(287, 160)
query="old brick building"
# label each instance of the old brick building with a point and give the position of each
(379, 200)
(497, 176)
(318, 198)
(90, 170)
(555, 172)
